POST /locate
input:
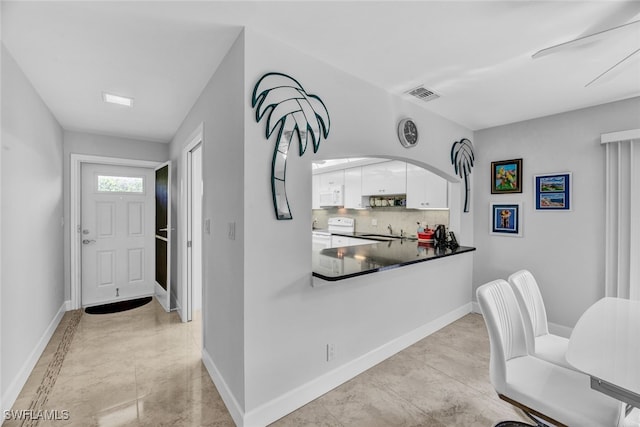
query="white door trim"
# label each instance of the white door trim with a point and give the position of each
(196, 138)
(74, 213)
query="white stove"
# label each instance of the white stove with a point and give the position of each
(322, 239)
(341, 224)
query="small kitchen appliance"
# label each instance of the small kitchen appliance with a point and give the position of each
(333, 196)
(425, 233)
(440, 236)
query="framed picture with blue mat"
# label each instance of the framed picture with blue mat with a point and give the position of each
(552, 191)
(506, 219)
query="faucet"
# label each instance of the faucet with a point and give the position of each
(390, 229)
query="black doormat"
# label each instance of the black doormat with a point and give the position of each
(116, 307)
(513, 424)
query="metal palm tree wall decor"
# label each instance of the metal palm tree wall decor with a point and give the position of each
(462, 159)
(293, 111)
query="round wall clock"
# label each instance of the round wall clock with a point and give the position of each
(407, 133)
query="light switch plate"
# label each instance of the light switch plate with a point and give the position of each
(374, 222)
(232, 231)
(207, 226)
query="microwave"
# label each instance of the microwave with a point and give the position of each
(333, 196)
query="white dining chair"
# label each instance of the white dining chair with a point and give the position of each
(554, 394)
(546, 346)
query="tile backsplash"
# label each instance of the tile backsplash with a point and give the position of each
(399, 219)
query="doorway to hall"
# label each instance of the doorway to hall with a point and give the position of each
(195, 230)
(194, 226)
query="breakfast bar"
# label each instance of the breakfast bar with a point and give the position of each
(334, 264)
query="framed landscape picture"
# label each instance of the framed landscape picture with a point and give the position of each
(552, 192)
(506, 219)
(506, 176)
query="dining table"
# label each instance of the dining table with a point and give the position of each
(605, 344)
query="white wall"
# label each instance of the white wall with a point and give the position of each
(32, 229)
(220, 110)
(287, 322)
(564, 250)
(1, 150)
(105, 146)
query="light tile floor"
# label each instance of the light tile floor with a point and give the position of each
(143, 368)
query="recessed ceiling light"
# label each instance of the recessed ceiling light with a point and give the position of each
(116, 99)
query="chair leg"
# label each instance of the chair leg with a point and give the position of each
(514, 424)
(540, 419)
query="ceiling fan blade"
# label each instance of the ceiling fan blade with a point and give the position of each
(581, 40)
(611, 68)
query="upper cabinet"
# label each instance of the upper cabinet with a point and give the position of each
(353, 188)
(384, 178)
(331, 179)
(425, 190)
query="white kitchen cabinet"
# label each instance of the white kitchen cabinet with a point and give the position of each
(315, 192)
(329, 180)
(384, 178)
(353, 188)
(425, 189)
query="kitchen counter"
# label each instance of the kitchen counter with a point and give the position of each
(340, 263)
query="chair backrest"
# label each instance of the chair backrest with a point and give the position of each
(505, 326)
(531, 304)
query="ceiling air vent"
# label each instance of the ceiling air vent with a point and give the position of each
(423, 94)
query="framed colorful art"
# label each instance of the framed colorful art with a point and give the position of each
(506, 176)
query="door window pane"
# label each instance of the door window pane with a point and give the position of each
(120, 184)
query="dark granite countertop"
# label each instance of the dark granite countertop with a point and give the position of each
(339, 263)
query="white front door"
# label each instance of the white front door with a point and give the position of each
(117, 233)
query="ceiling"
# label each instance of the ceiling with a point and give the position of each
(475, 54)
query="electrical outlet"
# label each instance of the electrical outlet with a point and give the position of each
(331, 352)
(232, 231)
(374, 222)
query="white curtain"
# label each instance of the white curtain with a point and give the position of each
(622, 250)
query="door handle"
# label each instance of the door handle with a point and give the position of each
(164, 229)
(87, 241)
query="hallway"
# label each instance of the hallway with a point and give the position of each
(138, 367)
(143, 367)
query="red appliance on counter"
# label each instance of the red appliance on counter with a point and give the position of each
(427, 235)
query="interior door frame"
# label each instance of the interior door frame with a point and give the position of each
(195, 139)
(75, 219)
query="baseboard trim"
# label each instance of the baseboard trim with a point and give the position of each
(556, 329)
(475, 307)
(67, 305)
(14, 389)
(296, 398)
(227, 397)
(161, 295)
